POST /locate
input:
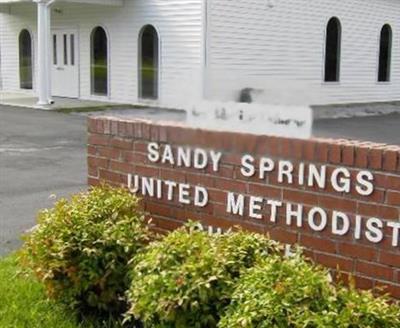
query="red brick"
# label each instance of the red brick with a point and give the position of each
(283, 236)
(111, 177)
(390, 160)
(217, 196)
(310, 148)
(393, 198)
(109, 152)
(315, 243)
(298, 146)
(98, 140)
(357, 251)
(322, 152)
(390, 259)
(335, 153)
(374, 270)
(363, 283)
(231, 185)
(98, 162)
(336, 203)
(173, 175)
(93, 181)
(300, 197)
(122, 143)
(92, 125)
(146, 171)
(348, 154)
(266, 191)
(121, 167)
(92, 150)
(334, 261)
(375, 158)
(361, 157)
(157, 209)
(200, 179)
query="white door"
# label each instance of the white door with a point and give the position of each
(65, 68)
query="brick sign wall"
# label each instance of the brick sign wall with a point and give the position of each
(339, 199)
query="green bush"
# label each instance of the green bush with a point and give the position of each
(293, 293)
(351, 308)
(81, 248)
(186, 279)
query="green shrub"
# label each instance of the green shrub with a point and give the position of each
(81, 248)
(351, 308)
(293, 293)
(186, 279)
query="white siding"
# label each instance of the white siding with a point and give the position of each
(280, 49)
(179, 23)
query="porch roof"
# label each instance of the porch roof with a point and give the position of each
(94, 2)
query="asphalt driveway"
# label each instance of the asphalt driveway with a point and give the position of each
(43, 157)
(41, 154)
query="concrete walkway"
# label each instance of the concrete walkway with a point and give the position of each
(29, 100)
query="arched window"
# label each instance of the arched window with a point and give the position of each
(332, 50)
(99, 62)
(385, 54)
(25, 60)
(148, 63)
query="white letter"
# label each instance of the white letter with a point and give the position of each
(301, 174)
(184, 194)
(375, 234)
(255, 207)
(311, 219)
(235, 206)
(184, 158)
(168, 156)
(135, 188)
(200, 197)
(396, 228)
(216, 158)
(317, 176)
(364, 185)
(345, 223)
(147, 187)
(357, 230)
(248, 169)
(266, 165)
(285, 169)
(171, 185)
(298, 214)
(153, 154)
(200, 159)
(345, 182)
(274, 209)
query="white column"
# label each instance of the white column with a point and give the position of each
(42, 53)
(49, 47)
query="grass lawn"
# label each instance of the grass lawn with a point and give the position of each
(23, 303)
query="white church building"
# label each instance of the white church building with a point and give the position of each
(170, 52)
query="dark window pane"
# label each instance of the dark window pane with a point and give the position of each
(149, 60)
(99, 62)
(332, 51)
(55, 49)
(65, 50)
(385, 50)
(25, 60)
(72, 49)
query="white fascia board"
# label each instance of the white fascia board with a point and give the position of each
(94, 2)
